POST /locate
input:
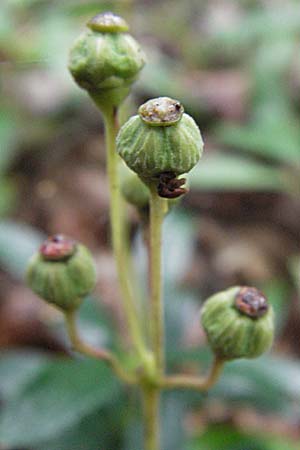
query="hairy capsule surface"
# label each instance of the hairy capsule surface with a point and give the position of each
(239, 323)
(160, 143)
(105, 60)
(62, 272)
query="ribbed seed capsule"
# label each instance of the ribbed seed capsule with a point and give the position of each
(62, 272)
(105, 60)
(160, 143)
(239, 323)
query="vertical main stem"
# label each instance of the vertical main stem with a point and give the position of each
(157, 212)
(151, 419)
(151, 394)
(117, 235)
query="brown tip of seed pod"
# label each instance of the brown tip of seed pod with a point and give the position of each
(251, 302)
(57, 248)
(108, 22)
(161, 111)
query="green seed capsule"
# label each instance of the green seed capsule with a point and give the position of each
(161, 143)
(62, 272)
(105, 60)
(239, 323)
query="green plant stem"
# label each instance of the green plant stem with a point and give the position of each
(118, 241)
(195, 383)
(158, 208)
(151, 418)
(82, 347)
(151, 393)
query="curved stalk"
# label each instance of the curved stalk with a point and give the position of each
(196, 383)
(117, 233)
(82, 347)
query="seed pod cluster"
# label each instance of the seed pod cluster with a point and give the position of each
(239, 323)
(62, 272)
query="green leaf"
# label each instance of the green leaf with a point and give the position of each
(228, 173)
(246, 384)
(267, 379)
(225, 437)
(59, 397)
(276, 140)
(100, 430)
(17, 369)
(222, 437)
(18, 242)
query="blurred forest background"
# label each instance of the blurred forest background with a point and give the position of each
(235, 65)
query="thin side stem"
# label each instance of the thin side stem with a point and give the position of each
(118, 241)
(158, 207)
(151, 419)
(196, 383)
(82, 347)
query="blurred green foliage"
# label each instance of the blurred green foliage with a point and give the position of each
(227, 438)
(73, 405)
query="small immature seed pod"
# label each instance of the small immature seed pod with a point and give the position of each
(134, 190)
(105, 60)
(62, 272)
(160, 143)
(239, 323)
(137, 193)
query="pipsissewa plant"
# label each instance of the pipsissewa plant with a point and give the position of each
(160, 144)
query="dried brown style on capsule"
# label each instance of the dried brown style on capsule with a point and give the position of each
(105, 60)
(251, 302)
(161, 143)
(169, 186)
(239, 323)
(57, 248)
(62, 272)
